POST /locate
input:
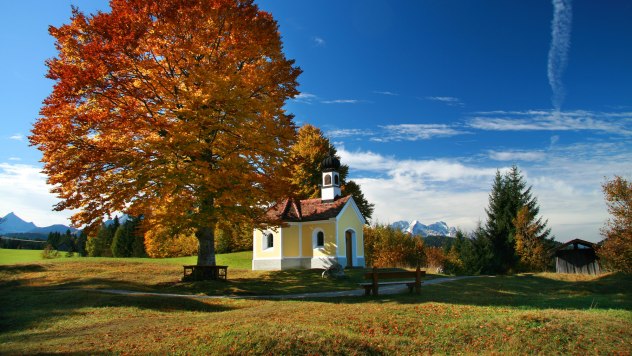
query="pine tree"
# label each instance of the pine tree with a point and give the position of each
(122, 243)
(80, 243)
(100, 244)
(498, 226)
(509, 194)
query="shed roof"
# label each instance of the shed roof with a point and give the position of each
(575, 242)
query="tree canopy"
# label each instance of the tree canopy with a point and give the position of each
(617, 246)
(306, 156)
(176, 104)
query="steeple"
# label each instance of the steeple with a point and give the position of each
(331, 178)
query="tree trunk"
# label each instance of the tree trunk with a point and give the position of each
(206, 250)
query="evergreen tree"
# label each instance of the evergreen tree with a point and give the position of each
(100, 244)
(80, 243)
(483, 253)
(54, 239)
(123, 240)
(463, 248)
(509, 194)
(138, 246)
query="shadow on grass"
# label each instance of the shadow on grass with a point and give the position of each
(612, 291)
(269, 283)
(24, 302)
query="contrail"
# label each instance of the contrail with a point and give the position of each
(558, 52)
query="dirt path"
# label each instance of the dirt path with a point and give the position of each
(345, 293)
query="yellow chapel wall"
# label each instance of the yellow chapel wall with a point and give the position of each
(350, 220)
(290, 241)
(259, 251)
(308, 231)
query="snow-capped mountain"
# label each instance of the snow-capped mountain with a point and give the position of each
(415, 227)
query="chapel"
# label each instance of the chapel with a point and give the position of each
(314, 233)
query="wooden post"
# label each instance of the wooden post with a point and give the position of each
(418, 280)
(375, 285)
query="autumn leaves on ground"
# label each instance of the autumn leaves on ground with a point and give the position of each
(53, 306)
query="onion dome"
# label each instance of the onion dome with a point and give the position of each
(330, 163)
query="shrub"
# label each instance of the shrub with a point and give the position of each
(387, 247)
(49, 252)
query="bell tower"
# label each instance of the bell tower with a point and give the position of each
(331, 179)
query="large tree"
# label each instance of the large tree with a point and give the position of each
(176, 104)
(509, 194)
(306, 156)
(616, 250)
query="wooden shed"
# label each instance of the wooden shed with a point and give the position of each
(576, 256)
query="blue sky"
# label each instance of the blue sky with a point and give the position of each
(425, 100)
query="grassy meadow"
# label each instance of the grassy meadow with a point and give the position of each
(54, 306)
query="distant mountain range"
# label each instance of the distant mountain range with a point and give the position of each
(13, 224)
(415, 227)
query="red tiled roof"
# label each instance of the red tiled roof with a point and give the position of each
(292, 210)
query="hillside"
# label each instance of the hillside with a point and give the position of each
(13, 226)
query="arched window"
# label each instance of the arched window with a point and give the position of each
(327, 179)
(269, 240)
(320, 239)
(336, 180)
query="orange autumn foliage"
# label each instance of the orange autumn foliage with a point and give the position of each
(176, 104)
(160, 242)
(616, 250)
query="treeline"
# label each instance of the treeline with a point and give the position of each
(132, 239)
(9, 242)
(118, 240)
(67, 242)
(513, 239)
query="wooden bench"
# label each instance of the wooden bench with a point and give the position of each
(376, 275)
(204, 272)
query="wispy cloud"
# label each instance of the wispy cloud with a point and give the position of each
(558, 51)
(305, 98)
(17, 137)
(15, 159)
(390, 93)
(515, 156)
(543, 120)
(341, 101)
(399, 132)
(448, 100)
(319, 41)
(416, 132)
(440, 170)
(341, 133)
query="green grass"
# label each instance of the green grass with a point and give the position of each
(239, 260)
(48, 307)
(10, 256)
